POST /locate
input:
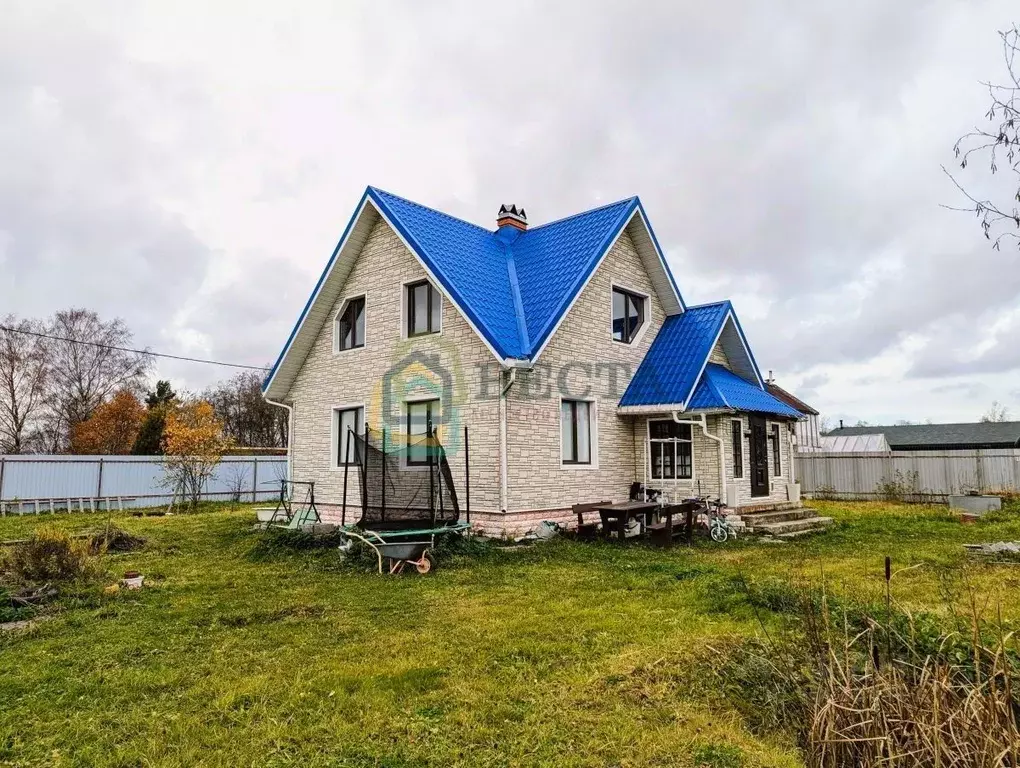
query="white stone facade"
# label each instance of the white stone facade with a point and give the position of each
(581, 361)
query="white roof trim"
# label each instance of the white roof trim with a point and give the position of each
(299, 341)
(299, 332)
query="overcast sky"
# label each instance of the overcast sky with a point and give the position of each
(189, 166)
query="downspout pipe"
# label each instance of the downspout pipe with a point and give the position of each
(703, 421)
(503, 464)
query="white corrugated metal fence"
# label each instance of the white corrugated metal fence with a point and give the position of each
(911, 475)
(88, 483)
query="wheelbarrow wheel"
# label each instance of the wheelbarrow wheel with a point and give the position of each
(426, 563)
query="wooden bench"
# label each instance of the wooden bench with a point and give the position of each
(587, 531)
(662, 532)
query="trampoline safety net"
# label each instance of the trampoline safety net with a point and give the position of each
(405, 483)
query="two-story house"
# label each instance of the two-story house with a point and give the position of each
(566, 349)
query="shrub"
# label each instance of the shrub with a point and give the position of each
(52, 556)
(110, 538)
(825, 493)
(901, 486)
(860, 688)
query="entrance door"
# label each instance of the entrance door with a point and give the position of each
(759, 457)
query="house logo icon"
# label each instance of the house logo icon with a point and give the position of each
(422, 375)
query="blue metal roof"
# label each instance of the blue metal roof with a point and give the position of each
(676, 371)
(721, 388)
(513, 286)
(671, 366)
(469, 261)
(554, 261)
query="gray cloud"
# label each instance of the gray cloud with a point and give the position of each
(788, 156)
(83, 169)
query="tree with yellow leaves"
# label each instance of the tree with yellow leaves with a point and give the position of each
(193, 446)
(112, 428)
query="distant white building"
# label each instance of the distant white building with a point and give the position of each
(854, 443)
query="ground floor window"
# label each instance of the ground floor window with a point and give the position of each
(777, 459)
(346, 421)
(575, 431)
(671, 450)
(737, 431)
(421, 415)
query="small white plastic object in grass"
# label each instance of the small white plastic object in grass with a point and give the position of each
(133, 580)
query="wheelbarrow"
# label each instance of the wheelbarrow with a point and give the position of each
(398, 554)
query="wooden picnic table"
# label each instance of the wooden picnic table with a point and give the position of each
(663, 531)
(623, 512)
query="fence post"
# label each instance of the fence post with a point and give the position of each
(255, 479)
(99, 483)
(3, 467)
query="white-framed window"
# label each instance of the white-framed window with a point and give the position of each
(630, 310)
(737, 437)
(777, 455)
(671, 450)
(345, 419)
(577, 433)
(423, 309)
(421, 415)
(349, 325)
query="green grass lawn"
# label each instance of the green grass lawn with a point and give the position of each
(561, 655)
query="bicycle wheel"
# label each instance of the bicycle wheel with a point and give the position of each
(719, 533)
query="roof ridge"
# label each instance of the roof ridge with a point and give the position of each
(710, 304)
(444, 214)
(515, 296)
(582, 213)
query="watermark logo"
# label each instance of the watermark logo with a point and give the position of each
(421, 374)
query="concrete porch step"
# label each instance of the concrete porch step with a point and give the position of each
(767, 506)
(801, 525)
(780, 516)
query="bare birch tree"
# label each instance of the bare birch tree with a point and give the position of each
(23, 380)
(89, 362)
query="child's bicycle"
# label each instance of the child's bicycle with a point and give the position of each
(719, 528)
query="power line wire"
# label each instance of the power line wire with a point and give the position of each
(128, 349)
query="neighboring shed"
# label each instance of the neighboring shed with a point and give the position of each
(807, 429)
(941, 437)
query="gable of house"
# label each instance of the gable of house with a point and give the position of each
(700, 360)
(513, 288)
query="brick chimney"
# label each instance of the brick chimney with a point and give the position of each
(510, 215)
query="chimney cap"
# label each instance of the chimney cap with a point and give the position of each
(512, 215)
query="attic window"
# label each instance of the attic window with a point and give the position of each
(350, 325)
(628, 315)
(424, 309)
